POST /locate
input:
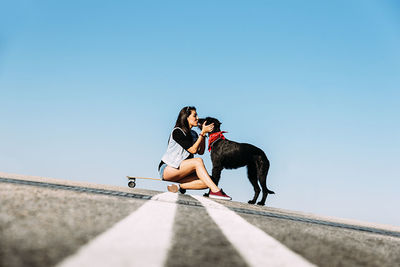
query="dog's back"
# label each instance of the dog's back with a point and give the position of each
(234, 155)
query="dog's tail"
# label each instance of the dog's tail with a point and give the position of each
(265, 164)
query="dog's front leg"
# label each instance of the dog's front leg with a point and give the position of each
(216, 174)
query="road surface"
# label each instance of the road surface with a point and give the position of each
(51, 222)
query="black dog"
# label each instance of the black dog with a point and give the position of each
(226, 154)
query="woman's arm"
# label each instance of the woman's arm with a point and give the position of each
(202, 146)
(199, 145)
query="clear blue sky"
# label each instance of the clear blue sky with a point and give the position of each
(90, 91)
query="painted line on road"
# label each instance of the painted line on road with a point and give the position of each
(255, 246)
(141, 239)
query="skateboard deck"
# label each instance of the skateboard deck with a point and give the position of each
(132, 180)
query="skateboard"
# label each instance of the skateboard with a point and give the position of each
(132, 180)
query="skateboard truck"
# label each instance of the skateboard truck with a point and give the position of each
(132, 182)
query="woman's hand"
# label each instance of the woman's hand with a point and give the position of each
(206, 128)
(199, 145)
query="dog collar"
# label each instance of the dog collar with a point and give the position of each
(214, 137)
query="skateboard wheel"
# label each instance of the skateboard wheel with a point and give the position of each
(131, 184)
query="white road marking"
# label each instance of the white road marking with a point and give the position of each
(255, 246)
(141, 239)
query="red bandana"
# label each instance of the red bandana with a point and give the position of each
(214, 137)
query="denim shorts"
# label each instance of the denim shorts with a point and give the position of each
(162, 170)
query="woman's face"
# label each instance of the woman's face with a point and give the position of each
(193, 119)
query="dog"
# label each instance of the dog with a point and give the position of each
(226, 154)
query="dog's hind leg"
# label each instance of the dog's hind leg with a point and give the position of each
(252, 175)
(262, 172)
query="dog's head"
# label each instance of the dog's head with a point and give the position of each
(210, 120)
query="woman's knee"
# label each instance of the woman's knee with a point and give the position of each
(193, 164)
(199, 161)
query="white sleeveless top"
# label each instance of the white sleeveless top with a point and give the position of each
(175, 152)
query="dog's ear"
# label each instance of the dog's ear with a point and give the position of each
(210, 120)
(217, 125)
(213, 120)
(216, 122)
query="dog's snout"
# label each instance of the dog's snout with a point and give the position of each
(200, 123)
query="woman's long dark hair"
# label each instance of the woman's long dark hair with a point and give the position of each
(181, 121)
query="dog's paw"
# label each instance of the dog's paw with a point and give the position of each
(252, 202)
(260, 203)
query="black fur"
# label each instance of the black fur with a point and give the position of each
(226, 154)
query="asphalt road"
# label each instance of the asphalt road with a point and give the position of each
(42, 225)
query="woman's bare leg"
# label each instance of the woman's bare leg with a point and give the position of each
(196, 185)
(192, 182)
(188, 167)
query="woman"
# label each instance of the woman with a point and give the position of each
(179, 165)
